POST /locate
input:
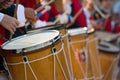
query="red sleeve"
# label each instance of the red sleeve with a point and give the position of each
(44, 17)
(81, 20)
(53, 12)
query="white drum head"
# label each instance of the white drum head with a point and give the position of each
(108, 47)
(31, 40)
(77, 31)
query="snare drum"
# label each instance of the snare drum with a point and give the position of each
(39, 56)
(60, 27)
(109, 58)
(83, 50)
(63, 32)
(104, 36)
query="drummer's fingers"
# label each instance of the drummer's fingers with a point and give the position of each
(16, 24)
(11, 30)
(13, 27)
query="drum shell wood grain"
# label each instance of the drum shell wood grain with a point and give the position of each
(92, 70)
(43, 68)
(108, 63)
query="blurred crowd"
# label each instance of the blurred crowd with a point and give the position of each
(101, 15)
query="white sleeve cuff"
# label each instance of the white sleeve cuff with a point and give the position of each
(1, 16)
(40, 23)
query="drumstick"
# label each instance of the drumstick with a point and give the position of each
(42, 12)
(75, 17)
(38, 15)
(104, 16)
(39, 8)
(15, 15)
(113, 37)
(98, 10)
(58, 19)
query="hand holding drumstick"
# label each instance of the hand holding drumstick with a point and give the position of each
(30, 14)
(9, 23)
(74, 18)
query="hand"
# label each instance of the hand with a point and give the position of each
(6, 3)
(63, 18)
(9, 23)
(30, 14)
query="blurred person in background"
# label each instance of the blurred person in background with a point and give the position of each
(104, 18)
(116, 16)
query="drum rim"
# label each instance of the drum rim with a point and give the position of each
(105, 32)
(40, 45)
(100, 48)
(90, 31)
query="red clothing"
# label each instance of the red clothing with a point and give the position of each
(54, 12)
(2, 35)
(108, 26)
(81, 20)
(33, 4)
(106, 22)
(117, 29)
(28, 3)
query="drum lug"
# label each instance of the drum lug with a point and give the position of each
(53, 50)
(69, 39)
(25, 59)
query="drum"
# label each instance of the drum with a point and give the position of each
(109, 58)
(83, 50)
(37, 57)
(63, 32)
(105, 36)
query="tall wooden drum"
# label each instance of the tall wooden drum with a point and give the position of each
(109, 57)
(63, 32)
(37, 57)
(83, 50)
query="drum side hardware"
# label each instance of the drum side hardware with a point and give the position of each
(53, 50)
(105, 46)
(25, 59)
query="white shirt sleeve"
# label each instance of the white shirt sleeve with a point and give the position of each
(1, 16)
(40, 23)
(21, 15)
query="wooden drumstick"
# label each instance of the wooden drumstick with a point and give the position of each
(104, 16)
(98, 10)
(39, 8)
(15, 15)
(75, 17)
